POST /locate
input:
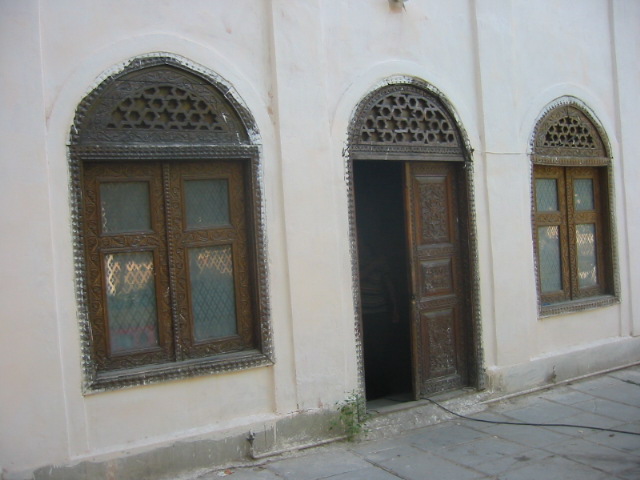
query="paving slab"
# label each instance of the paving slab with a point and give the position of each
(401, 450)
(619, 441)
(483, 450)
(426, 466)
(609, 408)
(367, 447)
(612, 388)
(543, 411)
(631, 474)
(598, 456)
(593, 420)
(566, 396)
(513, 462)
(529, 436)
(554, 468)
(371, 473)
(461, 449)
(448, 434)
(253, 473)
(486, 420)
(631, 375)
(318, 465)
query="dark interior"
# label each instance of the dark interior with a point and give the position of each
(382, 247)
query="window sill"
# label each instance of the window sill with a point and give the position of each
(577, 305)
(120, 379)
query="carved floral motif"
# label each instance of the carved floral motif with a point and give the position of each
(442, 358)
(434, 212)
(437, 277)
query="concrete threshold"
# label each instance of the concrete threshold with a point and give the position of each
(388, 419)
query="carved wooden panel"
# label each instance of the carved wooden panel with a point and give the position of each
(234, 235)
(439, 337)
(567, 131)
(404, 119)
(434, 208)
(166, 107)
(587, 231)
(98, 244)
(440, 304)
(159, 105)
(437, 277)
(551, 234)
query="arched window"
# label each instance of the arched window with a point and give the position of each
(571, 212)
(170, 259)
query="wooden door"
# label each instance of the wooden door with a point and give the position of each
(439, 295)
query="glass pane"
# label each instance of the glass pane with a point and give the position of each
(586, 241)
(583, 193)
(550, 264)
(131, 301)
(207, 203)
(212, 292)
(125, 207)
(546, 195)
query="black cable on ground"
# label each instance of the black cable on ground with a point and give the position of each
(525, 424)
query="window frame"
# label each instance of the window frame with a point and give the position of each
(570, 160)
(567, 218)
(237, 148)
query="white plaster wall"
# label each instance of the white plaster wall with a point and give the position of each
(369, 42)
(69, 46)
(529, 55)
(320, 292)
(301, 68)
(624, 20)
(31, 381)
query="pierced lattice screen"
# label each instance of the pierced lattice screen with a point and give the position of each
(566, 131)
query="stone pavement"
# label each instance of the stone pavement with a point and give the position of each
(461, 449)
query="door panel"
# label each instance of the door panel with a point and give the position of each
(438, 292)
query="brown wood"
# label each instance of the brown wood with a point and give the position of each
(439, 296)
(567, 218)
(169, 241)
(233, 235)
(139, 124)
(98, 244)
(593, 217)
(555, 219)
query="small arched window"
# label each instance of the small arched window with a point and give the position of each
(572, 212)
(170, 243)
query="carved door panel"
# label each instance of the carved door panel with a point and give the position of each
(438, 283)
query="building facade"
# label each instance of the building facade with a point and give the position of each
(222, 218)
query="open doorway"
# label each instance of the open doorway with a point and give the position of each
(414, 222)
(384, 279)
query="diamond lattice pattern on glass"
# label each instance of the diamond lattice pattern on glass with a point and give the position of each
(212, 292)
(546, 195)
(207, 203)
(550, 265)
(125, 207)
(583, 194)
(587, 267)
(131, 301)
